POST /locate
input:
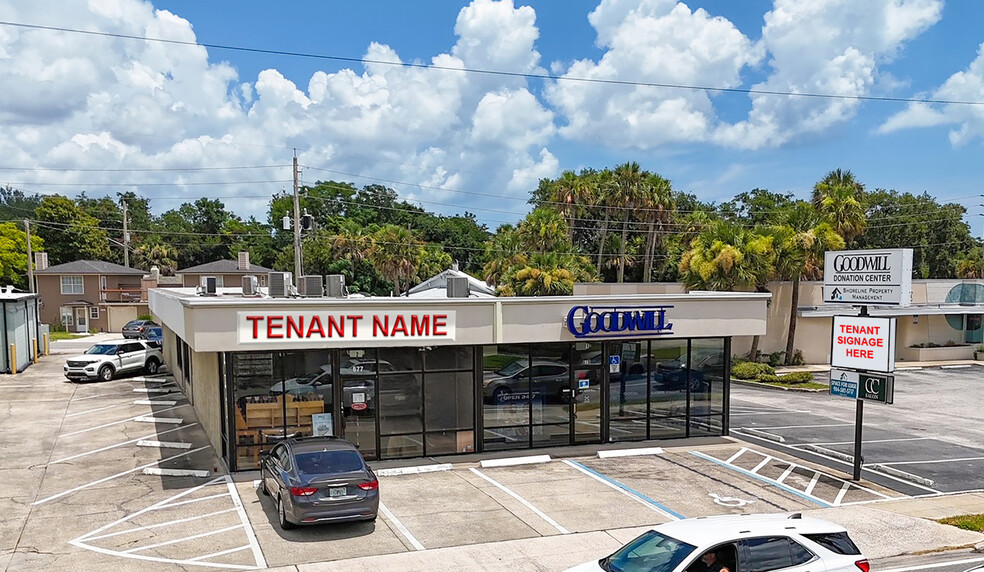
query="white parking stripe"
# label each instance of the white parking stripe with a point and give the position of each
(93, 483)
(217, 554)
(170, 420)
(4, 386)
(813, 484)
(786, 473)
(399, 526)
(160, 524)
(613, 486)
(734, 414)
(808, 426)
(763, 463)
(934, 461)
(96, 409)
(169, 505)
(732, 458)
(123, 443)
(841, 493)
(525, 502)
(177, 540)
(871, 441)
(116, 422)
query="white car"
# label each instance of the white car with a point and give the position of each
(106, 359)
(765, 542)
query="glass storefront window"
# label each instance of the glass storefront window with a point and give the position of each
(550, 382)
(708, 361)
(400, 405)
(358, 380)
(506, 396)
(586, 361)
(449, 358)
(627, 390)
(668, 395)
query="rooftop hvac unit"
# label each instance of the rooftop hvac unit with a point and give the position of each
(209, 284)
(458, 287)
(279, 284)
(250, 286)
(40, 260)
(242, 262)
(336, 285)
(311, 286)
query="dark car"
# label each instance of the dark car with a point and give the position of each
(316, 480)
(154, 336)
(135, 328)
(546, 379)
(675, 372)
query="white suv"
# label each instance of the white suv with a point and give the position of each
(761, 543)
(106, 359)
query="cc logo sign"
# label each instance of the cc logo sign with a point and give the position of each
(871, 385)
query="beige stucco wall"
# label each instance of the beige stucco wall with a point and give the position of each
(205, 394)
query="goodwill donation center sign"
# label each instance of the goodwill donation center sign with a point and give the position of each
(270, 327)
(868, 277)
(863, 343)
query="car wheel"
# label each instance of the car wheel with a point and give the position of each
(106, 373)
(282, 516)
(152, 366)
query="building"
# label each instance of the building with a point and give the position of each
(436, 286)
(89, 295)
(944, 318)
(20, 332)
(405, 377)
(228, 273)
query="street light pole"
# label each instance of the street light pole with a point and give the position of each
(126, 238)
(30, 258)
(297, 226)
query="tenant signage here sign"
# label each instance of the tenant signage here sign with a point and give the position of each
(272, 327)
(863, 343)
(868, 277)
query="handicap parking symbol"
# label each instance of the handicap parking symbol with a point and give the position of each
(614, 364)
(729, 501)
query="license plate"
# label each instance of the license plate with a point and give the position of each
(336, 492)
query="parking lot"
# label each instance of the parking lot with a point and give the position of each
(119, 474)
(928, 441)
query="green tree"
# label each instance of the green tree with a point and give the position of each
(69, 233)
(544, 230)
(199, 227)
(546, 274)
(14, 204)
(396, 254)
(433, 261)
(13, 254)
(628, 193)
(800, 242)
(727, 257)
(839, 199)
(158, 254)
(657, 205)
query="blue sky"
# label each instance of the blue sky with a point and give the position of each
(456, 141)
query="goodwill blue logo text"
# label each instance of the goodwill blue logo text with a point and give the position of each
(615, 320)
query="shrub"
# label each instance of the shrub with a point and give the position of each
(798, 358)
(769, 378)
(775, 358)
(750, 370)
(950, 344)
(145, 317)
(797, 377)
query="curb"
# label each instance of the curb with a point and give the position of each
(629, 452)
(903, 475)
(511, 461)
(413, 470)
(762, 434)
(830, 453)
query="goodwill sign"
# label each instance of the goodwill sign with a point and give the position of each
(868, 277)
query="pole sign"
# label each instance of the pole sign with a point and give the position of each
(844, 383)
(863, 343)
(874, 387)
(868, 277)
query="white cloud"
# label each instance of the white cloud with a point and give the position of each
(968, 120)
(652, 41)
(80, 101)
(829, 47)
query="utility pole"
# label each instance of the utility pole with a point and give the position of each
(297, 225)
(126, 238)
(30, 258)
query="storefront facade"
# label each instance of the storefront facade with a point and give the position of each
(411, 378)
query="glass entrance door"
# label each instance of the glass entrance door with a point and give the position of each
(358, 378)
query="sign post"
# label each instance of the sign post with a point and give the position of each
(860, 343)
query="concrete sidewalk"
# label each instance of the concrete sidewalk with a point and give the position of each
(899, 365)
(882, 529)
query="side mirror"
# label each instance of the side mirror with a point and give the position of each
(264, 454)
(120, 351)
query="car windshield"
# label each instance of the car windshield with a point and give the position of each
(651, 552)
(327, 462)
(511, 368)
(101, 350)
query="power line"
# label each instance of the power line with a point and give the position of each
(501, 73)
(140, 170)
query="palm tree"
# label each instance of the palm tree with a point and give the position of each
(569, 194)
(160, 255)
(628, 182)
(839, 199)
(548, 274)
(727, 257)
(504, 251)
(396, 253)
(544, 230)
(972, 265)
(351, 241)
(800, 241)
(657, 202)
(605, 196)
